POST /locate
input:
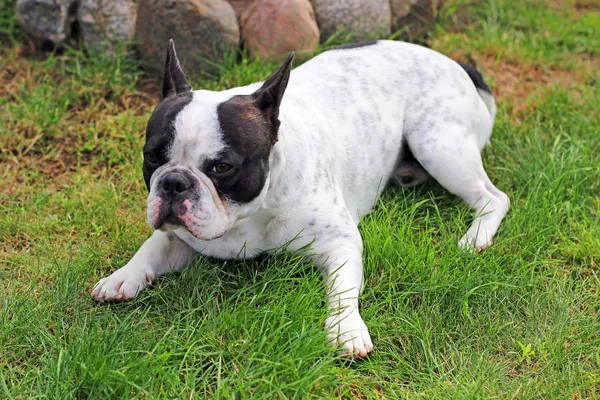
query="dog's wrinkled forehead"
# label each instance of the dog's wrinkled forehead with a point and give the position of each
(245, 128)
(198, 134)
(195, 126)
(202, 125)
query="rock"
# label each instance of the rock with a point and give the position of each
(362, 19)
(239, 6)
(414, 17)
(104, 23)
(204, 31)
(47, 21)
(273, 27)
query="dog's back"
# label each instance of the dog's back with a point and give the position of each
(351, 109)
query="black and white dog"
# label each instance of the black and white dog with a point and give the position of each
(303, 156)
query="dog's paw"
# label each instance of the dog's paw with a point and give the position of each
(348, 330)
(123, 284)
(477, 238)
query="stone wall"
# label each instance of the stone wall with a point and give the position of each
(206, 30)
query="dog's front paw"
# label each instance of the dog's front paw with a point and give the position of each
(477, 238)
(348, 330)
(123, 284)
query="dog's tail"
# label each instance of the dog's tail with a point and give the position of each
(482, 88)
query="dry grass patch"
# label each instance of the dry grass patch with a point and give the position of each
(66, 119)
(524, 84)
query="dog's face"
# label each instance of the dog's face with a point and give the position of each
(206, 157)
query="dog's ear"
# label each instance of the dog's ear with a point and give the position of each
(174, 81)
(268, 97)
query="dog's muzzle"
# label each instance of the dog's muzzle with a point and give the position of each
(173, 185)
(174, 193)
(179, 198)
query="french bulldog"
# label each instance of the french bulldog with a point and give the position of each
(298, 159)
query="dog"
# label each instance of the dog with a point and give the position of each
(299, 158)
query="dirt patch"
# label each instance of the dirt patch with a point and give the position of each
(151, 87)
(574, 8)
(520, 83)
(590, 62)
(560, 4)
(587, 5)
(31, 151)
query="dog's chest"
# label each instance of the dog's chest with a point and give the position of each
(247, 239)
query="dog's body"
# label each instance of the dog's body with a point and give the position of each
(242, 172)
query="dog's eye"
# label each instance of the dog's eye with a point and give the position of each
(221, 168)
(150, 157)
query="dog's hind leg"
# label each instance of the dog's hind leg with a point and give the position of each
(454, 160)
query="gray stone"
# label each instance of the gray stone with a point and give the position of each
(47, 20)
(362, 19)
(275, 27)
(106, 22)
(414, 17)
(204, 31)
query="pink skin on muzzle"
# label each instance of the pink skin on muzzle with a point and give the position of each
(154, 211)
(206, 219)
(195, 224)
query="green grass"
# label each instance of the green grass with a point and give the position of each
(521, 320)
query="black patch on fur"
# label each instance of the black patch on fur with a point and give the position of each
(250, 124)
(160, 132)
(356, 45)
(476, 77)
(248, 137)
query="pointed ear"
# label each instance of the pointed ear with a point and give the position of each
(268, 97)
(174, 81)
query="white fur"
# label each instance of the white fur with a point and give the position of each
(343, 118)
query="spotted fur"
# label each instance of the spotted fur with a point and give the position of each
(311, 152)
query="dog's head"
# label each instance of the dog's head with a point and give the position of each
(206, 157)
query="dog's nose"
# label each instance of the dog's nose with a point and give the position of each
(175, 183)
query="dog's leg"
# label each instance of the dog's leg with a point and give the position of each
(454, 160)
(161, 253)
(341, 263)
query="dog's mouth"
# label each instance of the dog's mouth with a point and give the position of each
(168, 222)
(167, 215)
(163, 213)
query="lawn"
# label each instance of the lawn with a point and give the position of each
(520, 320)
